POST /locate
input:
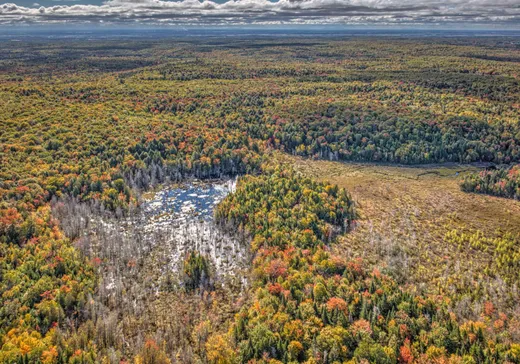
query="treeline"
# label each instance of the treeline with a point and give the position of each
(111, 174)
(310, 305)
(501, 182)
(340, 134)
(45, 285)
(339, 131)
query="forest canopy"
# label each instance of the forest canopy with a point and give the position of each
(96, 124)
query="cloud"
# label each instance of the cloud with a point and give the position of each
(277, 12)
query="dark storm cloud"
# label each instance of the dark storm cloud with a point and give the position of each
(278, 12)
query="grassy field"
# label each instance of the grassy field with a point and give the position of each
(416, 224)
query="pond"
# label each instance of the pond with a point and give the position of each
(195, 199)
(179, 219)
(154, 240)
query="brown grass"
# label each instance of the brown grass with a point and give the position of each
(404, 215)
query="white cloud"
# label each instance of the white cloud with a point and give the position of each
(279, 12)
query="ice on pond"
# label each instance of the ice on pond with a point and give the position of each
(180, 219)
(203, 196)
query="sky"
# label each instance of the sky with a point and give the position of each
(462, 13)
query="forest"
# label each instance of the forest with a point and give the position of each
(503, 182)
(92, 132)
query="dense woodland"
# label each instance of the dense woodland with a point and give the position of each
(502, 182)
(310, 305)
(98, 123)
